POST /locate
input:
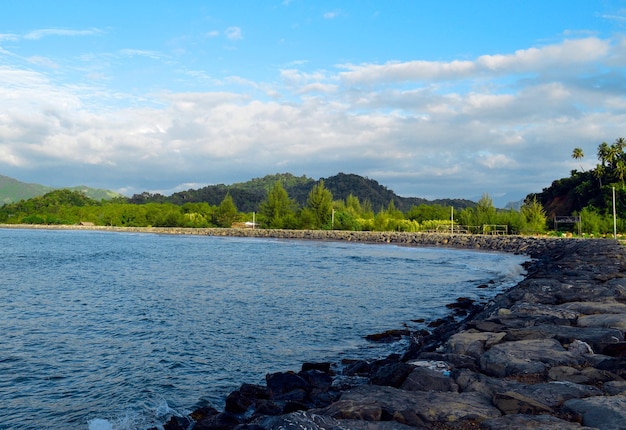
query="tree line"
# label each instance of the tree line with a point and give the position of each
(277, 211)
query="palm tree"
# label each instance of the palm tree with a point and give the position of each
(603, 153)
(578, 154)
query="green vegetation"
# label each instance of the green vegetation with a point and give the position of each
(12, 190)
(277, 210)
(347, 202)
(589, 193)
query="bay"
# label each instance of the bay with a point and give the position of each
(126, 329)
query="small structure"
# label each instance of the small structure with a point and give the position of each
(86, 224)
(567, 220)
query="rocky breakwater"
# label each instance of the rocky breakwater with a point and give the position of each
(548, 353)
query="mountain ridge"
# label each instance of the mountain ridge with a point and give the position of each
(248, 195)
(13, 190)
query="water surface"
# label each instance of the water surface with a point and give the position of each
(130, 328)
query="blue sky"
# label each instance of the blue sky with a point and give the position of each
(433, 99)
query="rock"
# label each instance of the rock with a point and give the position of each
(589, 308)
(613, 388)
(412, 408)
(388, 336)
(596, 337)
(587, 375)
(554, 394)
(578, 347)
(391, 374)
(617, 321)
(529, 422)
(247, 395)
(603, 412)
(617, 349)
(425, 379)
(221, 421)
(472, 343)
(287, 386)
(526, 357)
(511, 402)
(543, 310)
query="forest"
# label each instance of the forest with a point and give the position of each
(277, 210)
(595, 197)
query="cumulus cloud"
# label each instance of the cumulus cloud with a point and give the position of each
(498, 124)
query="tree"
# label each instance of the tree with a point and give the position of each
(578, 154)
(278, 209)
(535, 215)
(320, 204)
(226, 213)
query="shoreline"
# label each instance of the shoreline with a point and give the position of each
(548, 353)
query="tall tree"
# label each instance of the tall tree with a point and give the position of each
(320, 204)
(226, 213)
(278, 209)
(578, 154)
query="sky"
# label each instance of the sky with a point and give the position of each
(431, 98)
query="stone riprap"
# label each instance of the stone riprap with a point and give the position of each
(547, 354)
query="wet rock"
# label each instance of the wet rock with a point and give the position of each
(287, 386)
(246, 396)
(603, 412)
(388, 336)
(221, 421)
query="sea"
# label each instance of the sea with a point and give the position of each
(118, 331)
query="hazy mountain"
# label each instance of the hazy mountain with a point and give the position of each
(12, 190)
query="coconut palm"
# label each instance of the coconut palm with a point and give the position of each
(603, 153)
(578, 154)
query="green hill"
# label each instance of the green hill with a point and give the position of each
(12, 190)
(248, 195)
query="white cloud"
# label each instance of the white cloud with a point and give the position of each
(412, 122)
(570, 53)
(233, 33)
(46, 32)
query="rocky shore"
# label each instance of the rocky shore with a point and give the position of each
(547, 354)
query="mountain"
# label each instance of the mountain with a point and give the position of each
(12, 190)
(248, 195)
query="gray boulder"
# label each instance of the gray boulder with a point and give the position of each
(603, 412)
(526, 357)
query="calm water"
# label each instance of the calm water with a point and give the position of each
(120, 330)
